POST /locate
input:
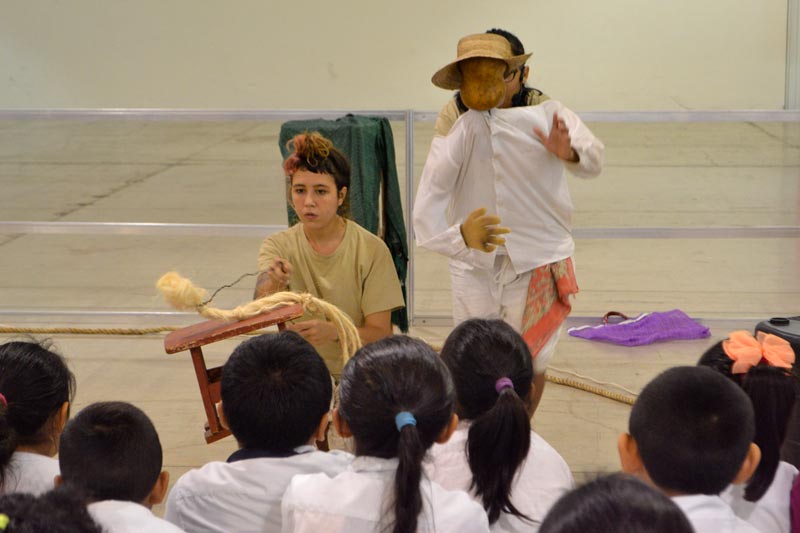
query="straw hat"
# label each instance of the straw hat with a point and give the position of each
(477, 45)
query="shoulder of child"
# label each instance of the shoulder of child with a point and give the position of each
(123, 517)
(454, 510)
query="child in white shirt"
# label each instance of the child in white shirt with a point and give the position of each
(276, 394)
(763, 367)
(617, 502)
(111, 452)
(691, 435)
(396, 400)
(36, 389)
(494, 455)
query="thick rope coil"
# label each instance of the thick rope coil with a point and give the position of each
(617, 397)
(87, 331)
(182, 294)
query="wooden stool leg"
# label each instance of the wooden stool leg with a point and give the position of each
(202, 380)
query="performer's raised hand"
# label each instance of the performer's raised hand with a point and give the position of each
(482, 232)
(558, 142)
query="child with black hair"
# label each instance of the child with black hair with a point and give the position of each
(36, 389)
(617, 502)
(493, 454)
(763, 367)
(111, 452)
(276, 393)
(396, 399)
(691, 435)
(60, 510)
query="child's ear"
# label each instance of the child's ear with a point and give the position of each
(629, 457)
(340, 425)
(322, 429)
(221, 415)
(63, 416)
(749, 465)
(342, 194)
(57, 423)
(159, 491)
(447, 432)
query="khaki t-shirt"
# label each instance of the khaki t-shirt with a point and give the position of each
(359, 277)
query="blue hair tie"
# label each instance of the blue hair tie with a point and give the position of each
(404, 418)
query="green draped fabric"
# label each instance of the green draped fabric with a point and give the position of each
(369, 145)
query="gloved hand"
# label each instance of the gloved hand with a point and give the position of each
(480, 231)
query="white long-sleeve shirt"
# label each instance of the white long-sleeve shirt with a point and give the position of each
(540, 481)
(493, 159)
(355, 501)
(127, 517)
(244, 495)
(31, 473)
(710, 514)
(770, 513)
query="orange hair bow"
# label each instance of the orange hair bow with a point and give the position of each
(747, 351)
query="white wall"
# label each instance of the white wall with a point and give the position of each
(360, 54)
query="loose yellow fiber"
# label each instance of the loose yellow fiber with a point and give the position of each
(182, 294)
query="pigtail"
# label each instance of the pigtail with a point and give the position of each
(408, 498)
(498, 443)
(39, 382)
(8, 440)
(397, 398)
(772, 393)
(771, 390)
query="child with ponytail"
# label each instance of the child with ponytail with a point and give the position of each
(36, 389)
(494, 454)
(763, 367)
(396, 399)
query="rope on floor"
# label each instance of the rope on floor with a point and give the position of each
(567, 382)
(87, 331)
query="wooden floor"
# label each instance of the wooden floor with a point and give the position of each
(706, 190)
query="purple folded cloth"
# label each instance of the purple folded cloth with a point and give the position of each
(646, 328)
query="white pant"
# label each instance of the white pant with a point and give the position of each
(497, 293)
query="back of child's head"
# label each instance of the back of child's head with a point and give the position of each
(275, 390)
(765, 372)
(617, 502)
(111, 451)
(693, 429)
(34, 384)
(396, 396)
(62, 510)
(492, 371)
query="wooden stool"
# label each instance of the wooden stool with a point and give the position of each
(193, 338)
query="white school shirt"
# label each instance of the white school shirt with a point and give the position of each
(710, 514)
(493, 159)
(770, 513)
(31, 473)
(244, 495)
(116, 516)
(356, 501)
(540, 481)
